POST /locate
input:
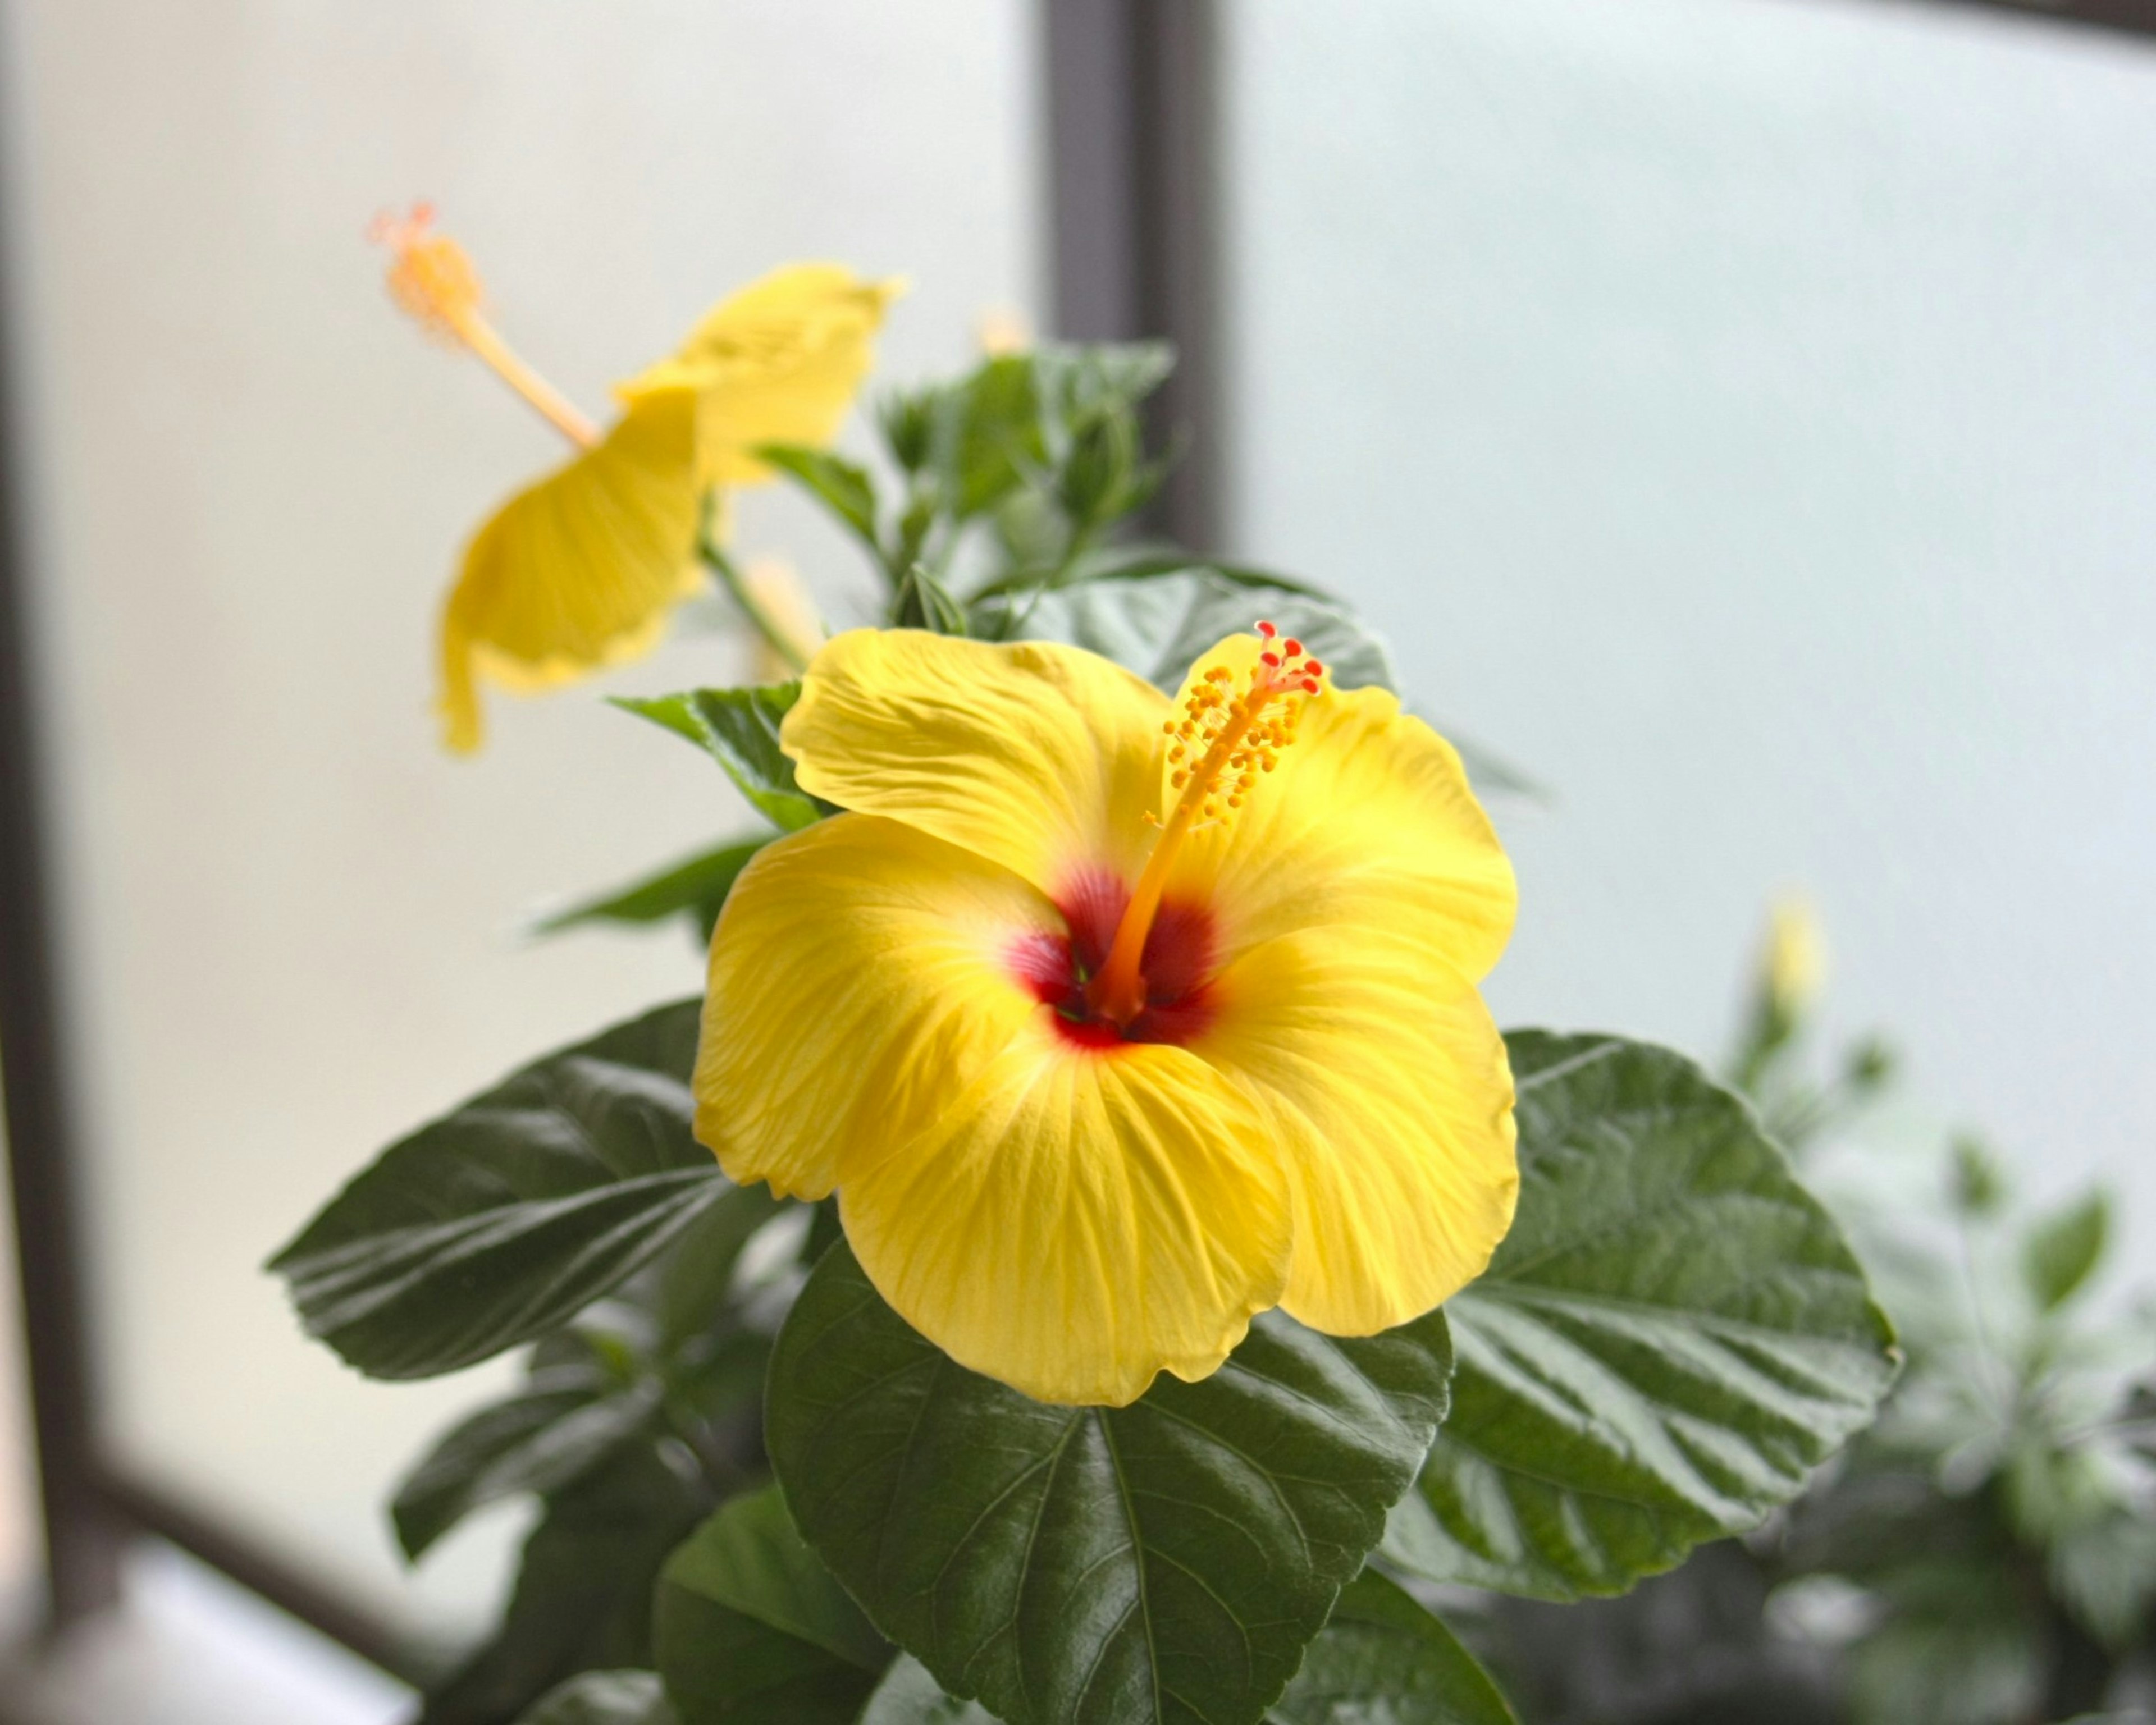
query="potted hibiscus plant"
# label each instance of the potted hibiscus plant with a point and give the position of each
(1088, 1254)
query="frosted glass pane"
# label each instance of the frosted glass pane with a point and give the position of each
(294, 923)
(1740, 411)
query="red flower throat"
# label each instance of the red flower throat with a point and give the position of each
(1177, 966)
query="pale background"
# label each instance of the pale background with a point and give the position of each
(293, 923)
(1743, 413)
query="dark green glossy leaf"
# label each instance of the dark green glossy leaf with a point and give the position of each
(696, 886)
(1672, 1336)
(509, 1215)
(582, 1598)
(537, 1440)
(2063, 1250)
(1381, 1660)
(1383, 1657)
(1157, 625)
(910, 1696)
(1164, 1561)
(844, 487)
(739, 729)
(689, 1288)
(752, 1630)
(605, 1698)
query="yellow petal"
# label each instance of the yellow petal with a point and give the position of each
(1366, 822)
(777, 362)
(579, 571)
(1043, 758)
(1390, 1096)
(1080, 1219)
(859, 976)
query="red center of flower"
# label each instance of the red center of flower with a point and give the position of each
(1177, 966)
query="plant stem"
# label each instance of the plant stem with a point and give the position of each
(722, 566)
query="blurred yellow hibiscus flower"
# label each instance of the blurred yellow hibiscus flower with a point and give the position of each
(582, 569)
(1113, 1021)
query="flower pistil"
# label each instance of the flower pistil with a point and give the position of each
(434, 282)
(1215, 754)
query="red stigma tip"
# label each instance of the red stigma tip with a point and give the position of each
(1315, 669)
(1267, 630)
(1309, 685)
(1292, 646)
(1271, 659)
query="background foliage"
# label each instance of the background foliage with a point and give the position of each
(1986, 1554)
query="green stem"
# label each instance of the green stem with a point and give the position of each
(722, 566)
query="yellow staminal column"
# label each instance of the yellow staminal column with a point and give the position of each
(432, 279)
(1234, 738)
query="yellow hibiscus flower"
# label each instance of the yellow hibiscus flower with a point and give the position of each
(1111, 1020)
(582, 569)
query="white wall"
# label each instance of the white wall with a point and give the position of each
(293, 921)
(1743, 412)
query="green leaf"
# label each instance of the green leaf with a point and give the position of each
(512, 1213)
(1104, 475)
(1382, 1660)
(1977, 1185)
(1014, 415)
(537, 1440)
(752, 1630)
(2104, 1573)
(697, 886)
(1165, 1561)
(910, 1696)
(1959, 1647)
(1157, 625)
(739, 729)
(2063, 1250)
(605, 1698)
(1384, 1657)
(923, 602)
(987, 434)
(844, 487)
(690, 1287)
(1672, 1336)
(676, 713)
(907, 420)
(582, 1598)
(1083, 383)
